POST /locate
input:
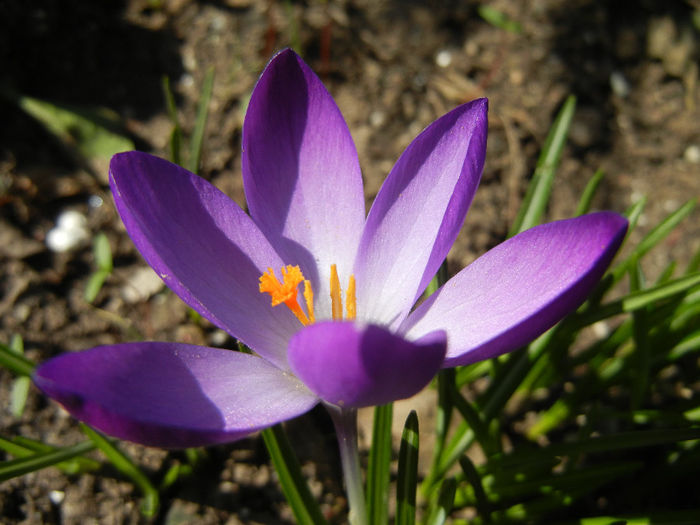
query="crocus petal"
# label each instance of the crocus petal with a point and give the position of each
(204, 247)
(173, 395)
(418, 213)
(301, 173)
(352, 365)
(520, 288)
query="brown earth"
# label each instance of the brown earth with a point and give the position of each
(393, 67)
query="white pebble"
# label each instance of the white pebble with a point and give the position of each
(71, 220)
(95, 201)
(186, 81)
(619, 84)
(218, 337)
(377, 119)
(70, 232)
(57, 496)
(601, 329)
(443, 58)
(141, 285)
(692, 154)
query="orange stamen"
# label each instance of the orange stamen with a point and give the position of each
(285, 292)
(350, 299)
(336, 300)
(309, 298)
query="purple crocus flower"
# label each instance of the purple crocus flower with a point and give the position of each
(324, 296)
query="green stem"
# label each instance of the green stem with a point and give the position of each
(345, 421)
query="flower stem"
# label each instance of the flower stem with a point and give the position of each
(345, 421)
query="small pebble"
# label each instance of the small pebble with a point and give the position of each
(218, 23)
(141, 285)
(218, 337)
(57, 496)
(71, 220)
(377, 119)
(186, 81)
(619, 84)
(443, 58)
(601, 329)
(95, 201)
(692, 154)
(70, 232)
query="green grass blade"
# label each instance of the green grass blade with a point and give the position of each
(299, 498)
(378, 466)
(445, 384)
(18, 395)
(440, 278)
(22, 447)
(176, 133)
(120, 461)
(540, 187)
(475, 421)
(102, 253)
(584, 204)
(653, 238)
(90, 132)
(641, 360)
(636, 300)
(94, 285)
(694, 264)
(443, 506)
(499, 19)
(502, 387)
(20, 466)
(14, 362)
(665, 227)
(643, 298)
(612, 443)
(675, 517)
(688, 344)
(634, 212)
(20, 386)
(482, 503)
(408, 472)
(294, 38)
(200, 123)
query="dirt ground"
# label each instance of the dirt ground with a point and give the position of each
(393, 67)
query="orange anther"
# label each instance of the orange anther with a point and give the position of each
(350, 299)
(286, 291)
(336, 300)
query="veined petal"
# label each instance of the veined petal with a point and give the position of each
(205, 248)
(520, 288)
(418, 213)
(173, 395)
(301, 173)
(352, 365)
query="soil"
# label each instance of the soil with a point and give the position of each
(393, 67)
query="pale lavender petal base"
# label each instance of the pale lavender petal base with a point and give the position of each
(172, 395)
(418, 213)
(520, 288)
(204, 247)
(353, 365)
(301, 173)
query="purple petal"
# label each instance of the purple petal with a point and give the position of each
(301, 173)
(418, 213)
(520, 288)
(173, 395)
(351, 365)
(204, 247)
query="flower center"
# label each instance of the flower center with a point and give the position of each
(286, 292)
